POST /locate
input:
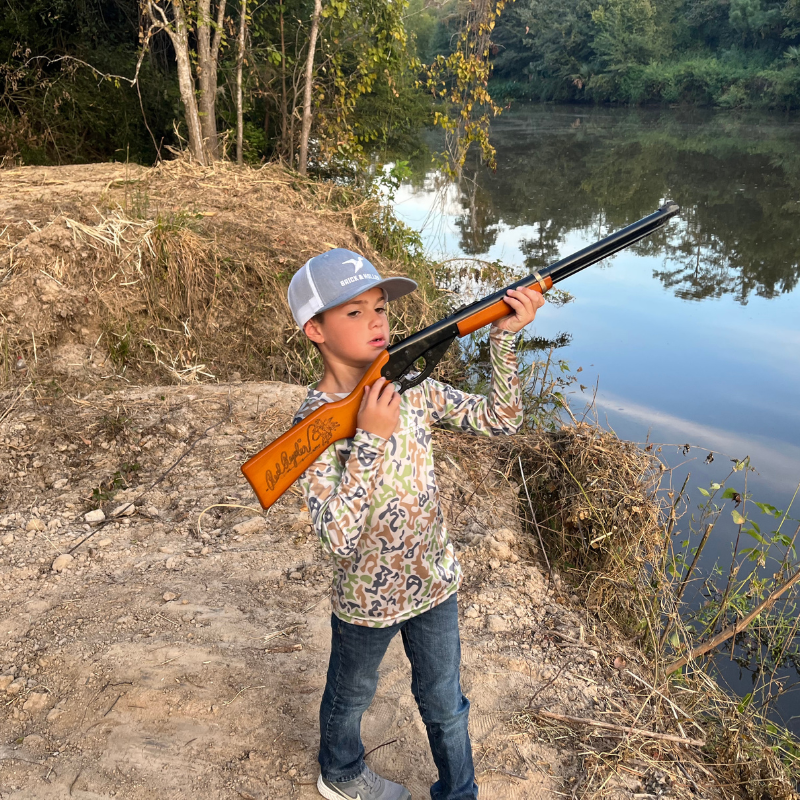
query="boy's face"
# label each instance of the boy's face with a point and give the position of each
(355, 332)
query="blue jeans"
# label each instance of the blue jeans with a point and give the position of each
(433, 647)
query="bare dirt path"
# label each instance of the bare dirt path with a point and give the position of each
(175, 655)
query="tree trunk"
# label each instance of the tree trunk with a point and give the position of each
(284, 96)
(239, 65)
(180, 41)
(306, 130)
(207, 61)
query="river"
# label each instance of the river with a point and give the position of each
(692, 337)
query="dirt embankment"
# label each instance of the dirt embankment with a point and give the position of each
(160, 636)
(170, 275)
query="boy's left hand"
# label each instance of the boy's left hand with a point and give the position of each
(525, 303)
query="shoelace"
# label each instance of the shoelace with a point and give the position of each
(371, 780)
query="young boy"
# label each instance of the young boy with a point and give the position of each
(374, 504)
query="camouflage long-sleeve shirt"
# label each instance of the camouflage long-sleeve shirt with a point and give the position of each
(374, 501)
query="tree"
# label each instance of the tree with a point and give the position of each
(180, 20)
(461, 79)
(239, 66)
(312, 47)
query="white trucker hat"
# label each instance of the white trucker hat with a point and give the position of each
(331, 279)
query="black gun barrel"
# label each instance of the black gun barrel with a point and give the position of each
(574, 263)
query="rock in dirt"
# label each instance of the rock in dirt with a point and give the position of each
(498, 549)
(104, 543)
(5, 682)
(37, 701)
(496, 624)
(96, 515)
(504, 535)
(62, 562)
(15, 687)
(60, 483)
(35, 525)
(34, 742)
(8, 539)
(125, 510)
(168, 597)
(253, 525)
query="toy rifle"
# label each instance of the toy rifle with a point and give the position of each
(275, 468)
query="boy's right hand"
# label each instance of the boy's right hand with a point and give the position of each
(380, 409)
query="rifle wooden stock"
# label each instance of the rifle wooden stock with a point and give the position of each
(275, 468)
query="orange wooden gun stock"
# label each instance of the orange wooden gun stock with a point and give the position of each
(275, 468)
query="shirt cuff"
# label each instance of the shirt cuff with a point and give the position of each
(502, 337)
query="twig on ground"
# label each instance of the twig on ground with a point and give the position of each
(378, 747)
(666, 737)
(546, 685)
(241, 691)
(533, 516)
(664, 697)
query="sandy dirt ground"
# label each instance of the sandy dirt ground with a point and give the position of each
(175, 645)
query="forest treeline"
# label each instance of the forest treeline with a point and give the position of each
(68, 94)
(127, 79)
(726, 53)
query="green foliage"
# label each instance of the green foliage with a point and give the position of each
(108, 488)
(459, 79)
(739, 54)
(421, 23)
(64, 97)
(55, 109)
(626, 33)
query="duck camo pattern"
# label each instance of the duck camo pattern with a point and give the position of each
(374, 502)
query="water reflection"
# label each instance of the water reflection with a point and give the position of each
(736, 177)
(692, 335)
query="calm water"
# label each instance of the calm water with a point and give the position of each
(692, 336)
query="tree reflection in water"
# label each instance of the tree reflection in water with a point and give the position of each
(737, 178)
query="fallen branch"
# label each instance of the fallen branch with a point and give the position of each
(665, 737)
(737, 627)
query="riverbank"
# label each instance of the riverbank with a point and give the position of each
(160, 634)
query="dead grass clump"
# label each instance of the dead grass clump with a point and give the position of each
(747, 761)
(593, 499)
(180, 274)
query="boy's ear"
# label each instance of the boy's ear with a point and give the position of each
(313, 330)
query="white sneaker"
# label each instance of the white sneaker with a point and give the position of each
(366, 786)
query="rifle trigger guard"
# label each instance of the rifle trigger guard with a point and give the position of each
(399, 371)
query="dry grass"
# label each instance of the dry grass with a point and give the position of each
(605, 521)
(595, 500)
(181, 274)
(596, 503)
